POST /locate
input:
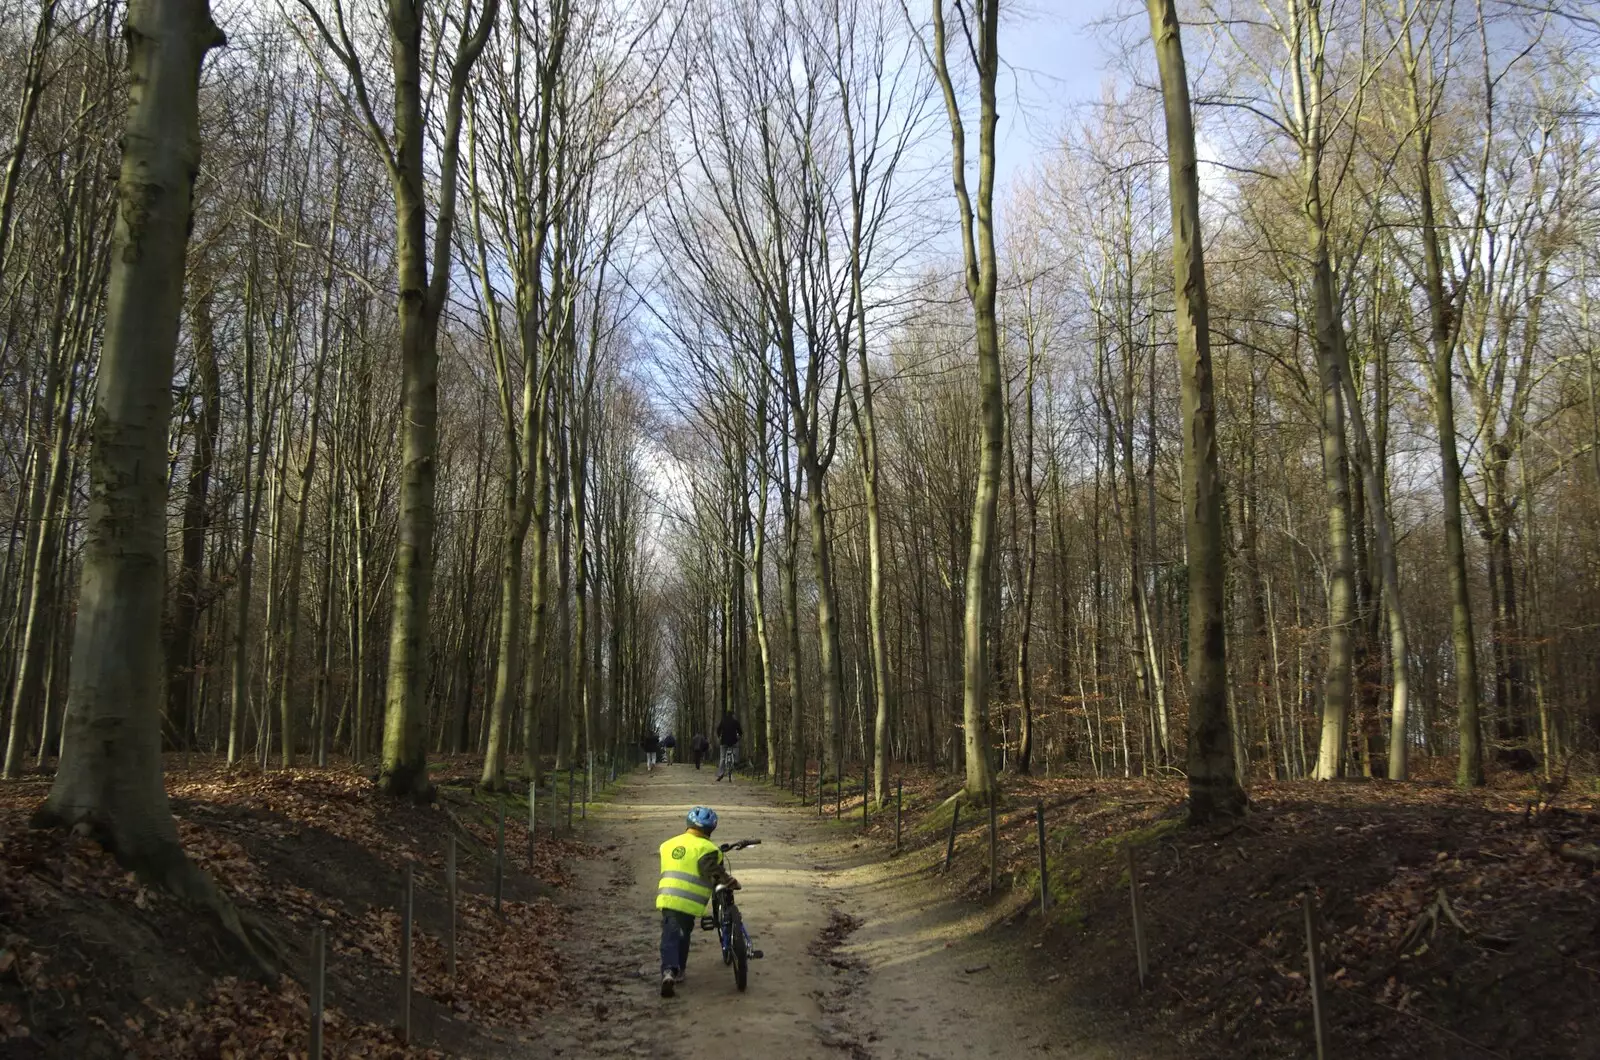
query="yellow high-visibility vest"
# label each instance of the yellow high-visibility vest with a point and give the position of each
(682, 888)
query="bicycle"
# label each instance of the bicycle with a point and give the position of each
(725, 919)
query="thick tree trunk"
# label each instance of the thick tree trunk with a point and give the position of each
(1213, 784)
(109, 782)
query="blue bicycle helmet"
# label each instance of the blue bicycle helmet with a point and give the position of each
(703, 818)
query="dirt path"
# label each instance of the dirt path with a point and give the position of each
(860, 961)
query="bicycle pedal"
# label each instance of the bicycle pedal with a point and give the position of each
(707, 924)
(756, 955)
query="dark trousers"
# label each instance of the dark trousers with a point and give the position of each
(676, 931)
(698, 757)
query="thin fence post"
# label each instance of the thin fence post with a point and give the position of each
(500, 860)
(533, 820)
(899, 788)
(950, 846)
(993, 836)
(450, 896)
(1044, 866)
(1140, 946)
(319, 988)
(405, 959)
(1314, 971)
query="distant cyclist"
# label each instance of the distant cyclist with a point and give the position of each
(691, 865)
(728, 733)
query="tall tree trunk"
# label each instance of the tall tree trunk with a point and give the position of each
(1306, 42)
(1213, 785)
(1443, 328)
(1029, 564)
(534, 649)
(788, 577)
(302, 514)
(196, 520)
(109, 780)
(977, 237)
(758, 592)
(34, 83)
(421, 305)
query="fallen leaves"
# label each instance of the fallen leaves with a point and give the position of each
(80, 919)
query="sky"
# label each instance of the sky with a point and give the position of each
(1053, 59)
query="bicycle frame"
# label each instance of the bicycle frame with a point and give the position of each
(725, 915)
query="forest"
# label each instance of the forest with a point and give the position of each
(495, 382)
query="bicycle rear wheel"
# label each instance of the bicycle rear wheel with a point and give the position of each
(741, 955)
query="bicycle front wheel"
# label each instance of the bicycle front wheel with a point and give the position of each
(741, 956)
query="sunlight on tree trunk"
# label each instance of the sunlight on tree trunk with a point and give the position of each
(1213, 785)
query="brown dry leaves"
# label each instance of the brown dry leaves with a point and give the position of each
(506, 971)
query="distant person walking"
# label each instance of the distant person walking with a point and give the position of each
(699, 746)
(728, 733)
(651, 746)
(668, 744)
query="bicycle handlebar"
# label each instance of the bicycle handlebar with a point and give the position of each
(740, 845)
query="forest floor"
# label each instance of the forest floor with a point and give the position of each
(94, 965)
(1455, 924)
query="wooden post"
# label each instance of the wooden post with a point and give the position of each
(865, 777)
(838, 793)
(994, 832)
(1044, 866)
(899, 788)
(1140, 947)
(533, 820)
(405, 960)
(500, 861)
(950, 846)
(450, 896)
(1314, 973)
(319, 988)
(588, 791)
